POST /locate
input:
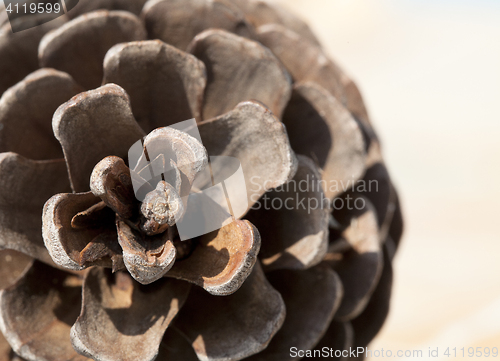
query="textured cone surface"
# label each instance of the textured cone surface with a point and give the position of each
(116, 120)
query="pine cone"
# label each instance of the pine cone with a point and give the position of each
(90, 268)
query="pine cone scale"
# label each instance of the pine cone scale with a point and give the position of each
(130, 320)
(239, 69)
(165, 85)
(79, 46)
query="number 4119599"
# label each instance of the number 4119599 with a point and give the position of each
(472, 352)
(33, 8)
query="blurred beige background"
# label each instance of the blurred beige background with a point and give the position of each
(429, 72)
